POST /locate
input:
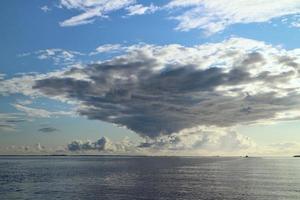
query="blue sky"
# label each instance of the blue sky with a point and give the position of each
(42, 41)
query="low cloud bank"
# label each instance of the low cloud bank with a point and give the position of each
(102, 145)
(195, 141)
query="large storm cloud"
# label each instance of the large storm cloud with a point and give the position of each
(159, 90)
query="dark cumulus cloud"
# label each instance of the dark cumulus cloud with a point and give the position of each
(99, 145)
(48, 130)
(155, 90)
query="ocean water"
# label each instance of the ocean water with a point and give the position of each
(164, 178)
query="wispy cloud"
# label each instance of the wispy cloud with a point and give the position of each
(139, 9)
(40, 113)
(9, 121)
(48, 130)
(91, 10)
(7, 127)
(210, 16)
(45, 9)
(108, 48)
(56, 55)
(215, 16)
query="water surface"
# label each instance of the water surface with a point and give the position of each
(163, 178)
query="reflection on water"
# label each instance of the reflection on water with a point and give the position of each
(112, 177)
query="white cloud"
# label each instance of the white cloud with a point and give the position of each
(200, 140)
(24, 102)
(139, 9)
(45, 8)
(108, 48)
(58, 56)
(23, 83)
(92, 9)
(295, 24)
(214, 16)
(40, 113)
(116, 48)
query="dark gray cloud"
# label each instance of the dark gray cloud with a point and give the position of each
(48, 130)
(253, 58)
(289, 61)
(151, 105)
(103, 145)
(15, 120)
(154, 95)
(99, 145)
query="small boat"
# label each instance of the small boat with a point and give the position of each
(246, 156)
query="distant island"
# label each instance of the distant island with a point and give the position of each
(296, 156)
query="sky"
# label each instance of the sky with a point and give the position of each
(172, 77)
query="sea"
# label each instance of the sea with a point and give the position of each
(148, 178)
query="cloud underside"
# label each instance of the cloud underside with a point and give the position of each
(161, 90)
(215, 16)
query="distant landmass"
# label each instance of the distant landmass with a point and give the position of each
(296, 156)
